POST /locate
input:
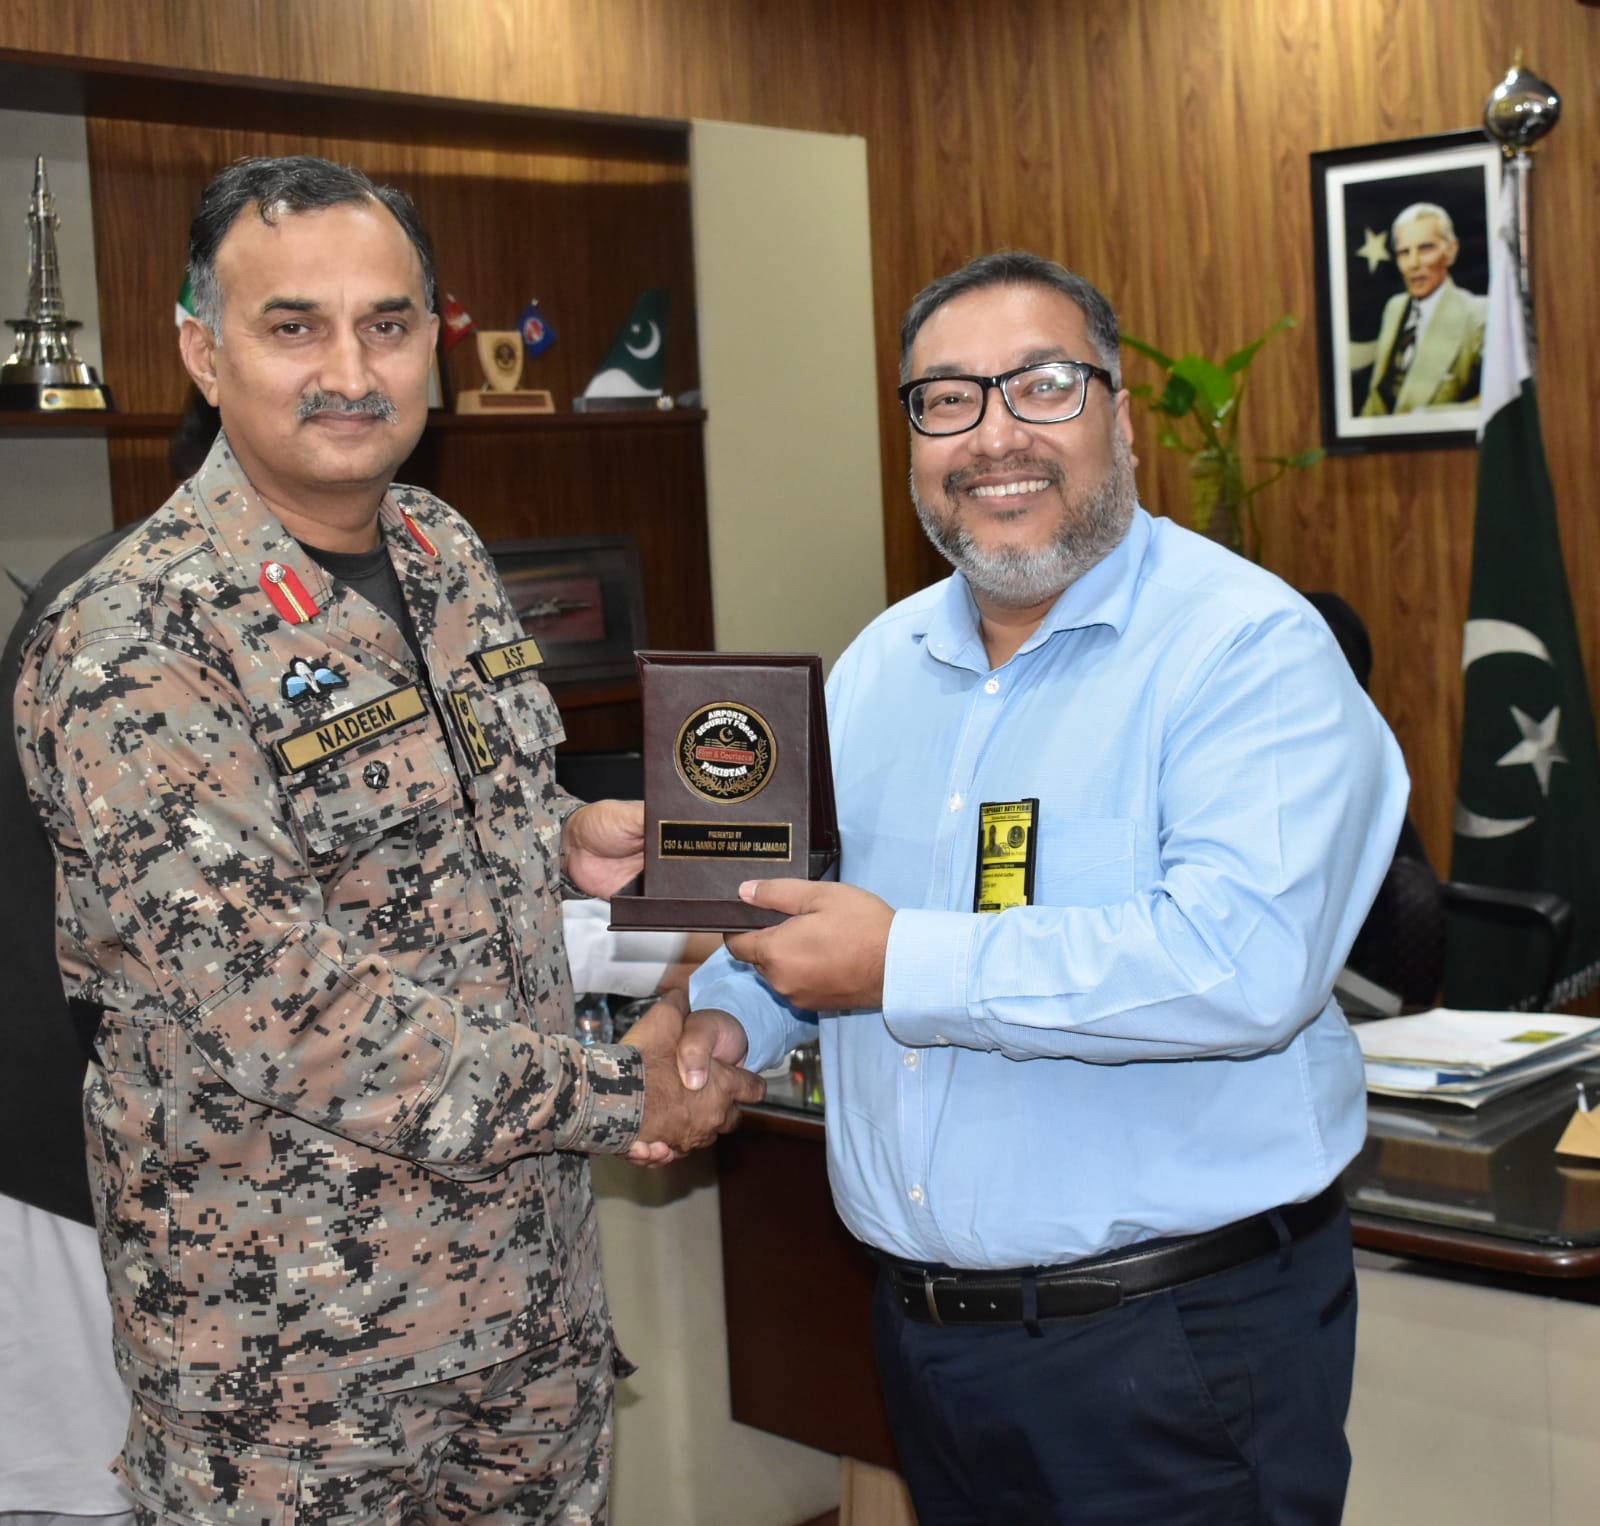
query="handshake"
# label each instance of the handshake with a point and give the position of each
(693, 1085)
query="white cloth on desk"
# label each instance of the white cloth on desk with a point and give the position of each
(63, 1410)
(617, 964)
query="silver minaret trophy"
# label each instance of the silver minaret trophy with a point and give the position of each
(44, 373)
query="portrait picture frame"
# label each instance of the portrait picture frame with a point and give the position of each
(1356, 195)
(581, 597)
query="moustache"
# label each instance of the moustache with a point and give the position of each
(373, 404)
(1049, 470)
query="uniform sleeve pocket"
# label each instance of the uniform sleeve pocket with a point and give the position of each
(529, 714)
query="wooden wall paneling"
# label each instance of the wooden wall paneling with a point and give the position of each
(1161, 147)
(1192, 211)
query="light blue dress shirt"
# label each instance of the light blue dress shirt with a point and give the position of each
(1151, 1048)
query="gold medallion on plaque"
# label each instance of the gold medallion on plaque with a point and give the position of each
(726, 752)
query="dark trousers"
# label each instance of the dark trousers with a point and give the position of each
(1217, 1403)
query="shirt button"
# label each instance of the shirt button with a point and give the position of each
(915, 1194)
(992, 687)
(911, 1060)
(955, 802)
(939, 1038)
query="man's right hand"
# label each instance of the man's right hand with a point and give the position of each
(693, 1086)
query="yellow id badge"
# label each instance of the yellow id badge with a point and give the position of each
(1005, 854)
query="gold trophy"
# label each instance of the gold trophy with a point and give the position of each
(44, 373)
(500, 355)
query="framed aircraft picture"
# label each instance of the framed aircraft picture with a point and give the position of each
(581, 598)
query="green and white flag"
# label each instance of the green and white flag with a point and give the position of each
(1527, 811)
(637, 360)
(185, 304)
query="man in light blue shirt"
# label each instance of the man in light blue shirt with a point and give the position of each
(1112, 810)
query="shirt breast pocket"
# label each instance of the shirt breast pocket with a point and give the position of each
(382, 829)
(1084, 861)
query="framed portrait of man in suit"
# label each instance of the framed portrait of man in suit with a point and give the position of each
(1402, 247)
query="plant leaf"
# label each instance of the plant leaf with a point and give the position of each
(1237, 361)
(1209, 380)
(1149, 351)
(1170, 438)
(1299, 462)
(1177, 399)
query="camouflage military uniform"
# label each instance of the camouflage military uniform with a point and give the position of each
(337, 1122)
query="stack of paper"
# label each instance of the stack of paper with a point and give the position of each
(1469, 1057)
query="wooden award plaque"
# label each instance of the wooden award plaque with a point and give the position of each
(738, 785)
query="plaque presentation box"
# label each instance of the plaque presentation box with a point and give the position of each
(738, 785)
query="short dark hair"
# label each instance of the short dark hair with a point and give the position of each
(294, 183)
(1016, 267)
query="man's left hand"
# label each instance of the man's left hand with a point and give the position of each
(829, 955)
(602, 846)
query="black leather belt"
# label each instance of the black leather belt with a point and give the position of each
(1026, 1294)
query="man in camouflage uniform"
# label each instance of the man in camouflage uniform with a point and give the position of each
(291, 748)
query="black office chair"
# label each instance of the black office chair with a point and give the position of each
(1403, 946)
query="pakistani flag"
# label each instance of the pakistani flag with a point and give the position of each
(637, 360)
(185, 304)
(1528, 801)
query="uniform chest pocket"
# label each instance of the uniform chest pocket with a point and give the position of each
(384, 833)
(370, 790)
(1084, 861)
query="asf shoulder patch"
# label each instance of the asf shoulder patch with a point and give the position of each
(496, 662)
(316, 744)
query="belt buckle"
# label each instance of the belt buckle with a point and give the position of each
(927, 1293)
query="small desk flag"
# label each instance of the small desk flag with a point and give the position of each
(537, 335)
(636, 363)
(455, 323)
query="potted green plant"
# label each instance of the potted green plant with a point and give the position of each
(1208, 394)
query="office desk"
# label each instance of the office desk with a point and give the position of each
(1484, 1190)
(1482, 1194)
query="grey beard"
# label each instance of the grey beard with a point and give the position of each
(1022, 579)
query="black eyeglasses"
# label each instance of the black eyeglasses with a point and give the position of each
(1049, 394)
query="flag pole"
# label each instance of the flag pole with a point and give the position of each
(1528, 794)
(1520, 110)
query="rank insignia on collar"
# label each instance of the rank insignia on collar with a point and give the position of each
(416, 533)
(288, 593)
(308, 680)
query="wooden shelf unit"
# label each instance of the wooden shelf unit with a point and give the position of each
(582, 212)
